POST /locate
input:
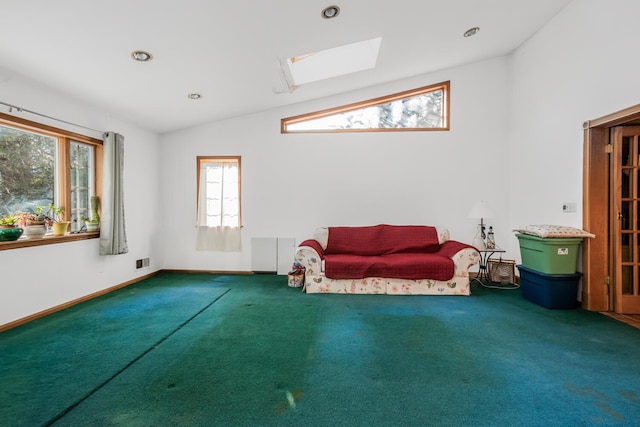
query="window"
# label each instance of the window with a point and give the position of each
(421, 109)
(41, 165)
(82, 162)
(219, 191)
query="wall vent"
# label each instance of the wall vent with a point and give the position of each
(142, 263)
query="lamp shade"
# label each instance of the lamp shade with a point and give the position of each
(481, 210)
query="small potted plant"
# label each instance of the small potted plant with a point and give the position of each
(9, 229)
(93, 223)
(57, 220)
(10, 221)
(34, 223)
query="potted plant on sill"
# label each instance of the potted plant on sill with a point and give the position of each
(34, 223)
(57, 220)
(93, 223)
(9, 230)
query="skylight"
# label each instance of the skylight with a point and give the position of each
(333, 62)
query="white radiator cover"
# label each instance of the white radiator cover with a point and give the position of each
(272, 254)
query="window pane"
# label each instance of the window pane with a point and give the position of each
(423, 111)
(222, 193)
(27, 170)
(419, 109)
(626, 151)
(626, 214)
(627, 280)
(82, 185)
(626, 183)
(627, 248)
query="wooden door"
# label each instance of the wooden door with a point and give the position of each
(625, 216)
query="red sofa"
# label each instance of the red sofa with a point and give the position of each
(386, 259)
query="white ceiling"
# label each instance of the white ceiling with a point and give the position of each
(230, 51)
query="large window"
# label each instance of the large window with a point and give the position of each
(41, 166)
(421, 109)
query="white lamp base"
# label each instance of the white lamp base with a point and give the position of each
(479, 244)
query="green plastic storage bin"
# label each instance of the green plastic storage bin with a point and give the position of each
(549, 255)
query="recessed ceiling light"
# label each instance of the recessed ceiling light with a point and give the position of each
(471, 31)
(194, 96)
(141, 55)
(330, 12)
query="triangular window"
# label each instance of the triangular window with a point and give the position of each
(425, 108)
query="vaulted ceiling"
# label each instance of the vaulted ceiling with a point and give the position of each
(230, 52)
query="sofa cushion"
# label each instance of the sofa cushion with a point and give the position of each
(382, 239)
(400, 266)
(321, 235)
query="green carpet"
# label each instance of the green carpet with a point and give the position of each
(224, 350)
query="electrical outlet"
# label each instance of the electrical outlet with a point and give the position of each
(569, 207)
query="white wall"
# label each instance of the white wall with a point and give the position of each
(38, 278)
(580, 66)
(292, 184)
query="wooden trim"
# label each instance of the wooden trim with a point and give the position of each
(20, 123)
(207, 271)
(85, 298)
(49, 240)
(595, 252)
(64, 185)
(68, 304)
(444, 86)
(597, 259)
(442, 129)
(629, 319)
(614, 119)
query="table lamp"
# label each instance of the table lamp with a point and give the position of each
(480, 210)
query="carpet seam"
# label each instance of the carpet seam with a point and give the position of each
(128, 365)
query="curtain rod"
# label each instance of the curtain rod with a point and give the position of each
(20, 109)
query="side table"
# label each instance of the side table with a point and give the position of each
(483, 269)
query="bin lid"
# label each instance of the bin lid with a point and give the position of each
(554, 231)
(550, 276)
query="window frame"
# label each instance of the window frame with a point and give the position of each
(62, 178)
(444, 86)
(221, 159)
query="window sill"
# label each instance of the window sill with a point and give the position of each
(23, 242)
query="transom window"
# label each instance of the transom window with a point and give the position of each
(42, 166)
(421, 109)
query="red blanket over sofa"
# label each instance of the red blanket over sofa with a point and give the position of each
(382, 239)
(392, 251)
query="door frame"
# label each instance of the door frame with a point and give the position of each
(596, 253)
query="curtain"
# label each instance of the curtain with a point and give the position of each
(218, 216)
(113, 239)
